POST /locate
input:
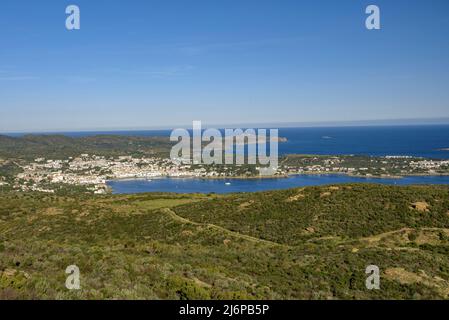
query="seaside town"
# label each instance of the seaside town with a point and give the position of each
(92, 171)
(365, 166)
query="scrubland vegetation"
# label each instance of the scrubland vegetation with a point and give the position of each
(310, 243)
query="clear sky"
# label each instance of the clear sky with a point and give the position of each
(145, 63)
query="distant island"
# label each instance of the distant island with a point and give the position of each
(249, 138)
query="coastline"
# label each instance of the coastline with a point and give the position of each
(201, 178)
(286, 176)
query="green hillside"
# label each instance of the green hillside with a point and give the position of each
(310, 243)
(61, 147)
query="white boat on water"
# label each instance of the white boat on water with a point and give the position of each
(228, 183)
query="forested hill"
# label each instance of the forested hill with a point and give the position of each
(62, 147)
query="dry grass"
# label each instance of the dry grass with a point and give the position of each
(296, 197)
(421, 206)
(247, 204)
(52, 211)
(406, 278)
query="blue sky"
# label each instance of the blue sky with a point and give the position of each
(145, 63)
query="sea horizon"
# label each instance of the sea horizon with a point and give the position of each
(416, 140)
(280, 125)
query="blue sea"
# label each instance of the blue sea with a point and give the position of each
(429, 141)
(220, 186)
(412, 140)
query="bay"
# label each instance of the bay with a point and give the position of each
(221, 186)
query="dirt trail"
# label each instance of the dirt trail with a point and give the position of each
(175, 217)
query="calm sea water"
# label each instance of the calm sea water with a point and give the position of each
(192, 185)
